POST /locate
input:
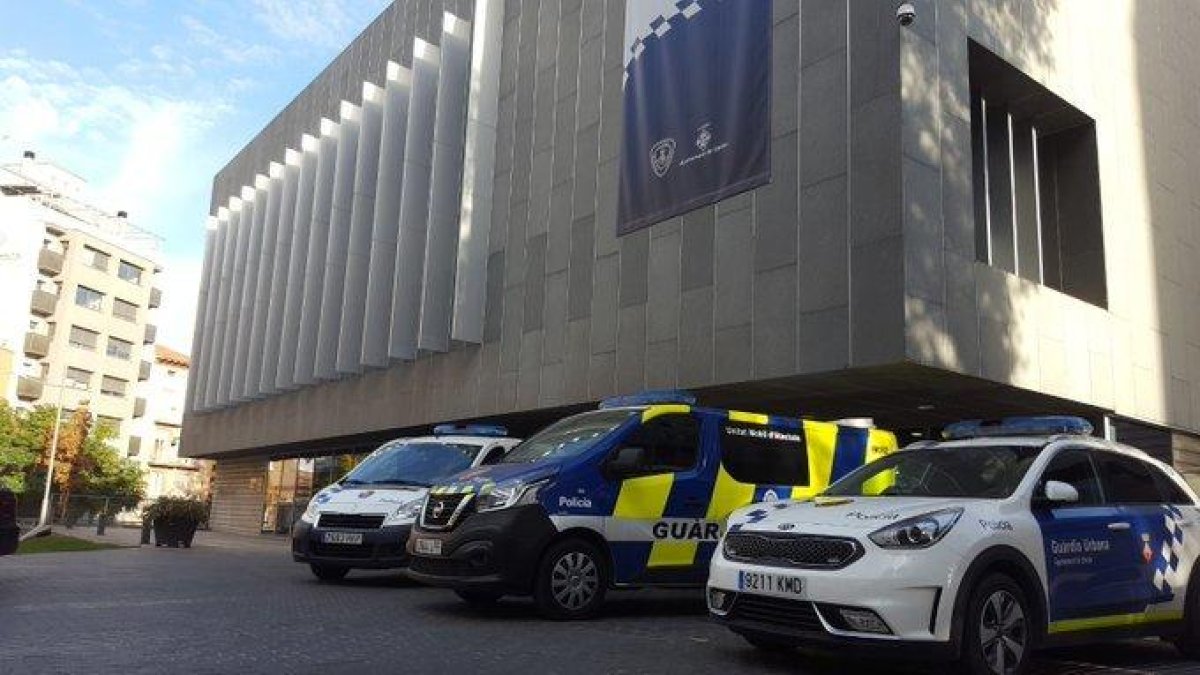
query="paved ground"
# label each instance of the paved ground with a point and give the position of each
(219, 608)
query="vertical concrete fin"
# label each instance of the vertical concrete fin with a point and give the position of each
(382, 267)
(350, 119)
(234, 313)
(262, 286)
(362, 225)
(277, 294)
(414, 202)
(441, 241)
(200, 356)
(479, 161)
(248, 288)
(293, 299)
(228, 244)
(314, 276)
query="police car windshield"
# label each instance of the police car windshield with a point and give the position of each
(972, 472)
(406, 463)
(568, 437)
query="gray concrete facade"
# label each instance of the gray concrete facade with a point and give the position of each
(848, 285)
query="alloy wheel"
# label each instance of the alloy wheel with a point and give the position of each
(1003, 632)
(574, 580)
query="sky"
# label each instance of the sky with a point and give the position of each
(148, 99)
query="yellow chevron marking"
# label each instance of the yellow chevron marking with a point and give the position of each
(1114, 621)
(644, 498)
(749, 418)
(672, 554)
(821, 441)
(664, 409)
(728, 494)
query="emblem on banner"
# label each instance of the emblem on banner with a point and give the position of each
(703, 137)
(662, 154)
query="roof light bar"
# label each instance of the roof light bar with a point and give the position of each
(470, 430)
(650, 397)
(1045, 425)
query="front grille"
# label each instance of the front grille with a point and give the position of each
(795, 615)
(805, 551)
(442, 511)
(446, 567)
(349, 551)
(350, 521)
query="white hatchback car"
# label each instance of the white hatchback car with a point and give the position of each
(1005, 538)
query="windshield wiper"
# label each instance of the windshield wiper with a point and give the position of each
(412, 483)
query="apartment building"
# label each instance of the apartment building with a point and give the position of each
(160, 402)
(78, 298)
(988, 211)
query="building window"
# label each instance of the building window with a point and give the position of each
(124, 310)
(119, 349)
(79, 377)
(1036, 181)
(89, 298)
(95, 259)
(83, 338)
(130, 272)
(113, 386)
(107, 422)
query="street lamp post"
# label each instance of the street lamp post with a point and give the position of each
(44, 518)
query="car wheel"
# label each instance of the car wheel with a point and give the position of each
(478, 597)
(329, 572)
(998, 633)
(767, 644)
(1188, 644)
(571, 581)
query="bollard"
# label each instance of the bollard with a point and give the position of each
(100, 522)
(145, 532)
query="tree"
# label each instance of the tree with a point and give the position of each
(72, 436)
(21, 435)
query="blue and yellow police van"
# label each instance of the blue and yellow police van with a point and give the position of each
(633, 494)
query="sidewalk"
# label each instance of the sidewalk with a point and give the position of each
(131, 536)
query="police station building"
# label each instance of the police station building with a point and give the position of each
(506, 210)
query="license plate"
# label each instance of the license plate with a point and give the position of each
(771, 583)
(429, 546)
(342, 537)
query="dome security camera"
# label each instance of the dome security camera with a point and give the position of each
(906, 14)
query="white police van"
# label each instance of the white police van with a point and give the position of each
(363, 520)
(1004, 538)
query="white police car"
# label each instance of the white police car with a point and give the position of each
(1004, 538)
(363, 520)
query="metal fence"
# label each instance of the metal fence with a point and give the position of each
(74, 510)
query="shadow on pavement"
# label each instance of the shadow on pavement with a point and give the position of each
(620, 604)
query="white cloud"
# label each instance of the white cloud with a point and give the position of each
(323, 23)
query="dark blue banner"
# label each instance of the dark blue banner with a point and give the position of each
(697, 105)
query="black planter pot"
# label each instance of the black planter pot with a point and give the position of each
(174, 533)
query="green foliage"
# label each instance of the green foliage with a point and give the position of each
(58, 543)
(177, 509)
(22, 438)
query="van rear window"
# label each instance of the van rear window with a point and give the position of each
(764, 455)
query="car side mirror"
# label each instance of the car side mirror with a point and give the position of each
(626, 462)
(1058, 493)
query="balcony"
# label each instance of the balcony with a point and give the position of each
(37, 345)
(135, 446)
(139, 407)
(143, 371)
(42, 303)
(50, 262)
(29, 388)
(151, 334)
(155, 298)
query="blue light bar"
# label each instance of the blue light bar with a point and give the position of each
(1046, 425)
(470, 430)
(650, 397)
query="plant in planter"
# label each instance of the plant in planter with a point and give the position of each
(175, 520)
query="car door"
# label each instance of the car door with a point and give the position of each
(1155, 533)
(657, 523)
(1086, 568)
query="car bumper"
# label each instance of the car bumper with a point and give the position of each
(382, 548)
(912, 598)
(496, 551)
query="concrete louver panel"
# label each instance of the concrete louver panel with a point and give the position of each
(195, 382)
(441, 241)
(285, 378)
(233, 312)
(414, 202)
(227, 243)
(362, 225)
(479, 162)
(262, 285)
(249, 286)
(339, 238)
(314, 265)
(277, 295)
(382, 268)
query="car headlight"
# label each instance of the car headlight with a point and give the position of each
(507, 495)
(313, 511)
(920, 532)
(405, 513)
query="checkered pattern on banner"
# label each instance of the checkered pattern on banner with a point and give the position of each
(658, 26)
(1166, 566)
